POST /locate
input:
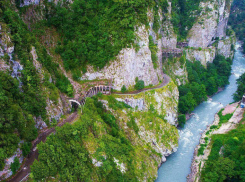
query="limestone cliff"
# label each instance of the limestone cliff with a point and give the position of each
(211, 23)
(169, 38)
(164, 100)
(154, 113)
(130, 64)
(226, 46)
(205, 55)
(208, 35)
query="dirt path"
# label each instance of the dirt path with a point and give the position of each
(24, 171)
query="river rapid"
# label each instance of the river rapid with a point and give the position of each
(177, 166)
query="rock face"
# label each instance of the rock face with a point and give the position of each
(29, 2)
(6, 172)
(226, 46)
(54, 109)
(6, 54)
(169, 38)
(130, 64)
(207, 38)
(164, 100)
(203, 55)
(211, 24)
(138, 104)
(5, 41)
(154, 113)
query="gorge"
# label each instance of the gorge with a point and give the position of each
(177, 166)
(140, 65)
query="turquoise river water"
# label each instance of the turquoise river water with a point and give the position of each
(177, 166)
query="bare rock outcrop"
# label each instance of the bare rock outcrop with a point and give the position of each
(211, 23)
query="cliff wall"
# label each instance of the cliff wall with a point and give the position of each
(208, 35)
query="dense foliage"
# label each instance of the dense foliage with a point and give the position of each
(15, 165)
(181, 120)
(184, 14)
(237, 19)
(65, 155)
(95, 31)
(21, 102)
(23, 40)
(240, 89)
(203, 82)
(16, 111)
(226, 161)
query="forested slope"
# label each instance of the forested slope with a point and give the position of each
(23, 98)
(237, 19)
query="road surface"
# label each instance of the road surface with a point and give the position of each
(166, 80)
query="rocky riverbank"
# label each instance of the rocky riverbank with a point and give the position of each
(198, 161)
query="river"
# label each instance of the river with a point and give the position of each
(177, 166)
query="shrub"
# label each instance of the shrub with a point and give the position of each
(139, 85)
(133, 125)
(213, 127)
(153, 49)
(201, 150)
(15, 165)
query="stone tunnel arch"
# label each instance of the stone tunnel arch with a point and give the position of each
(74, 103)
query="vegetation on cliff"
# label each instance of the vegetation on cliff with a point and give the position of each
(66, 155)
(226, 161)
(24, 99)
(203, 82)
(184, 15)
(94, 32)
(103, 145)
(237, 20)
(240, 89)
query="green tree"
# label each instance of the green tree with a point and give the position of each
(211, 86)
(240, 89)
(26, 148)
(181, 120)
(123, 89)
(15, 165)
(139, 85)
(187, 103)
(199, 92)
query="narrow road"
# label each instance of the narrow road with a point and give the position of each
(24, 172)
(166, 80)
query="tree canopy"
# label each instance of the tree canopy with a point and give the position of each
(203, 82)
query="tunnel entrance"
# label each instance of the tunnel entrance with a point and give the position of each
(75, 104)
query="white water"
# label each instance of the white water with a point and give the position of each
(177, 166)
